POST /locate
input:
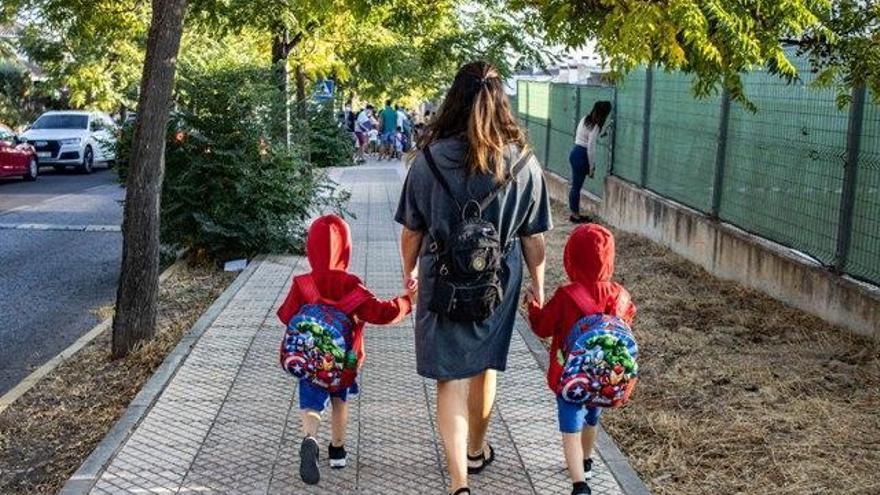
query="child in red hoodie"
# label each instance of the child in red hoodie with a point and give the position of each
(328, 248)
(589, 263)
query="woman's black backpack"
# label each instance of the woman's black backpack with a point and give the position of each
(468, 262)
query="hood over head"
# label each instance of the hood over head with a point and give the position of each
(589, 254)
(328, 246)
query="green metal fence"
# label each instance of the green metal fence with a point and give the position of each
(800, 171)
(550, 114)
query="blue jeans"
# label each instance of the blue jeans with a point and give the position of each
(573, 417)
(580, 165)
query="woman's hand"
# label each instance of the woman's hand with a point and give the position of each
(533, 295)
(533, 252)
(411, 286)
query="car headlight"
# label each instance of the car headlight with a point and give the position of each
(70, 141)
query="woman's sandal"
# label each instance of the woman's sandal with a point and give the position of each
(462, 491)
(482, 459)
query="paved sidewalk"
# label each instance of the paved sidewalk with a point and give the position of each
(227, 421)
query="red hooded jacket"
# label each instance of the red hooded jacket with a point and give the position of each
(329, 250)
(589, 262)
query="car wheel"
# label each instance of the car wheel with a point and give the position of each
(88, 162)
(32, 171)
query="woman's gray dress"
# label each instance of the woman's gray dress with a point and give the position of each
(448, 350)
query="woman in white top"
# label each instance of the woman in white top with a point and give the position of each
(583, 156)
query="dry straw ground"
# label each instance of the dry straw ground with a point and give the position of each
(739, 392)
(47, 433)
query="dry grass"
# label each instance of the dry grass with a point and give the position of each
(739, 392)
(47, 433)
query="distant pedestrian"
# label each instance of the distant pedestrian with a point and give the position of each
(325, 312)
(387, 126)
(363, 124)
(583, 156)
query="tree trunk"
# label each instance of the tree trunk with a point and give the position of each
(300, 91)
(280, 53)
(137, 297)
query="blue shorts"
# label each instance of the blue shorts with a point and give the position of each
(388, 138)
(573, 417)
(315, 398)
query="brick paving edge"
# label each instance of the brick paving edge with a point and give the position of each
(84, 479)
(629, 481)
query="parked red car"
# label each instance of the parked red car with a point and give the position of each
(16, 158)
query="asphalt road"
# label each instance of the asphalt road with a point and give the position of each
(60, 250)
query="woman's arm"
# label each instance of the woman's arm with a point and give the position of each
(535, 257)
(410, 245)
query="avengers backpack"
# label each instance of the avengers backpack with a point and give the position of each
(600, 358)
(318, 343)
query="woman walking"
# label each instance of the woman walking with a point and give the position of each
(583, 156)
(471, 152)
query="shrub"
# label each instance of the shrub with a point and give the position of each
(230, 189)
(330, 144)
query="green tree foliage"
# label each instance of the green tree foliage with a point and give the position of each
(852, 56)
(229, 189)
(712, 39)
(330, 144)
(90, 50)
(19, 101)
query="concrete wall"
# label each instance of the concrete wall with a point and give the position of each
(730, 253)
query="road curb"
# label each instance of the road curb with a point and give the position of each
(38, 374)
(617, 462)
(82, 481)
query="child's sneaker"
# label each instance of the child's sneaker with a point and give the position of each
(337, 456)
(588, 469)
(581, 488)
(308, 461)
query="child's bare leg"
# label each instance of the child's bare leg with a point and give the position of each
(310, 421)
(574, 456)
(338, 422)
(588, 440)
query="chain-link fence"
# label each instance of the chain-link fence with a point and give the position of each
(800, 170)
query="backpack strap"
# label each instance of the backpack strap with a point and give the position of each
(352, 300)
(347, 304)
(308, 288)
(439, 176)
(581, 298)
(517, 168)
(523, 161)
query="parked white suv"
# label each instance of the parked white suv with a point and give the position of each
(73, 138)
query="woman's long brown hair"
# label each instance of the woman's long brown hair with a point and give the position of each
(477, 109)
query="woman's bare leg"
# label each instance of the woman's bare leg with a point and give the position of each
(480, 401)
(452, 421)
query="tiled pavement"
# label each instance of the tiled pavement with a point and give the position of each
(227, 420)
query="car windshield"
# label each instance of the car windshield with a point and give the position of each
(62, 121)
